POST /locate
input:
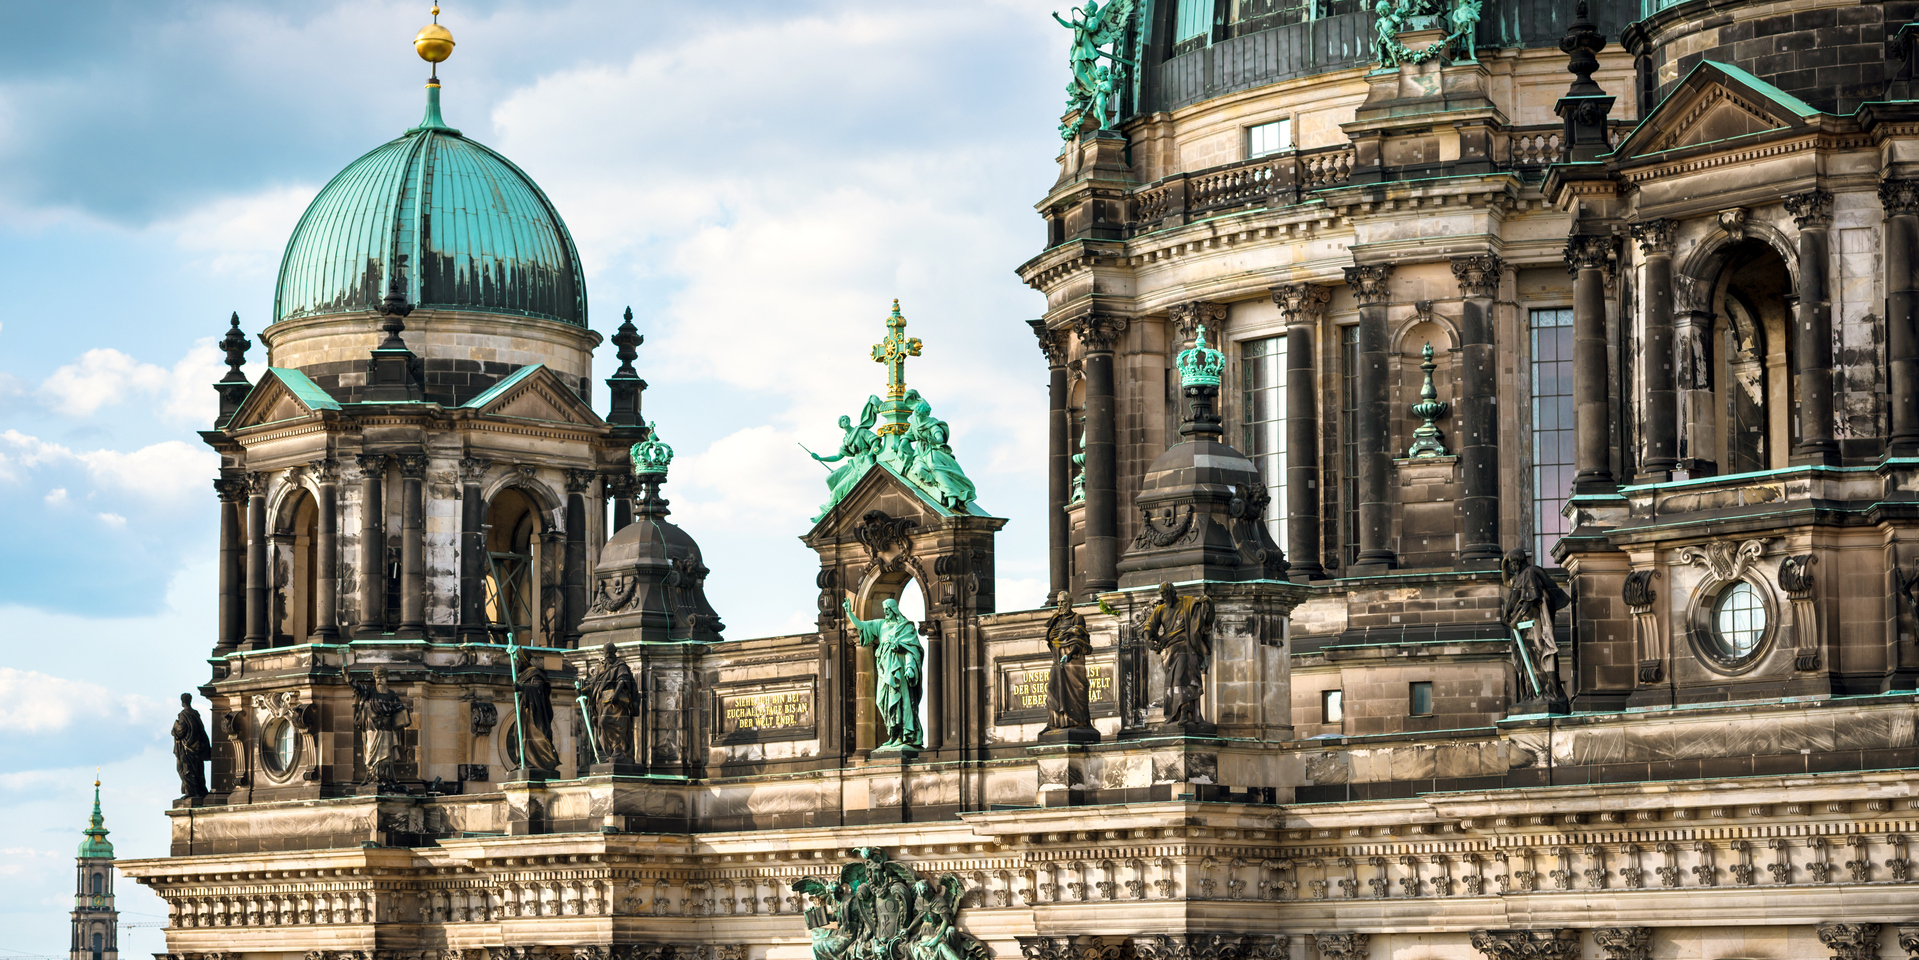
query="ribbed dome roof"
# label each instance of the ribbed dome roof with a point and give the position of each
(476, 234)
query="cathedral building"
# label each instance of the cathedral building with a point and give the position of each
(1484, 524)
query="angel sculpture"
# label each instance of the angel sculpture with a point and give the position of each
(859, 448)
(936, 936)
(1091, 90)
(867, 908)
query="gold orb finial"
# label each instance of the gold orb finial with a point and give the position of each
(434, 43)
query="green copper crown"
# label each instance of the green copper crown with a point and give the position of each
(1199, 366)
(650, 456)
(95, 846)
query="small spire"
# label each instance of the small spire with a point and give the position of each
(234, 386)
(627, 340)
(434, 43)
(1426, 439)
(96, 845)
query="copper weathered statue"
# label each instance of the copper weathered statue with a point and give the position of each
(898, 657)
(535, 734)
(1068, 698)
(1180, 630)
(881, 910)
(380, 715)
(1532, 599)
(614, 698)
(191, 750)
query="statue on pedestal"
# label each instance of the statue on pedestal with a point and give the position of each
(614, 698)
(535, 724)
(380, 715)
(1180, 630)
(897, 655)
(1068, 695)
(191, 750)
(1532, 599)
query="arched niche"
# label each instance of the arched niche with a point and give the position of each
(521, 581)
(293, 565)
(1736, 370)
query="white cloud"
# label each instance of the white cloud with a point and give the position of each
(113, 520)
(164, 471)
(104, 377)
(35, 703)
(244, 235)
(57, 497)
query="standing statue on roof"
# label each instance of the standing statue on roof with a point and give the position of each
(1533, 598)
(859, 449)
(1090, 95)
(191, 750)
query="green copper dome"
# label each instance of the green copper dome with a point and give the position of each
(96, 845)
(466, 229)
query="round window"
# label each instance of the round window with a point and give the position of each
(277, 744)
(1738, 622)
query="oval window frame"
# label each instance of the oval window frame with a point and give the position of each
(275, 767)
(1708, 646)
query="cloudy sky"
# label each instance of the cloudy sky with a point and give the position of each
(757, 184)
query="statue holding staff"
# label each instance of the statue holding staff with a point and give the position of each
(1180, 630)
(898, 657)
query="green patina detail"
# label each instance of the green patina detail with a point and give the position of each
(498, 390)
(651, 456)
(1199, 364)
(303, 388)
(911, 443)
(95, 846)
(1426, 442)
(432, 120)
(1458, 19)
(1092, 93)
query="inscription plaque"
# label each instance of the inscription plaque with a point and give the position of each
(769, 713)
(1023, 687)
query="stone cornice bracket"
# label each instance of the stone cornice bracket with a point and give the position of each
(473, 469)
(1899, 197)
(1052, 342)
(1851, 941)
(1341, 946)
(1478, 275)
(1188, 316)
(413, 466)
(1369, 283)
(1655, 237)
(1302, 304)
(325, 469)
(1098, 332)
(1551, 943)
(1733, 221)
(1589, 252)
(578, 480)
(1810, 209)
(1625, 943)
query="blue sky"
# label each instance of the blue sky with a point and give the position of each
(757, 184)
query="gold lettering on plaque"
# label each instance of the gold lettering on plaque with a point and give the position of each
(766, 711)
(1026, 686)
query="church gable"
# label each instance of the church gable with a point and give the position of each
(1715, 103)
(282, 394)
(885, 491)
(534, 392)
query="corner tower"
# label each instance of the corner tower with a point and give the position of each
(96, 922)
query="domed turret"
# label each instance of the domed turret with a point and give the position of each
(650, 583)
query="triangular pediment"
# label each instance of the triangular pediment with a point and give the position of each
(535, 392)
(887, 492)
(1716, 103)
(282, 394)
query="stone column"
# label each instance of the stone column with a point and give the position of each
(326, 552)
(472, 550)
(413, 545)
(1303, 305)
(1662, 405)
(576, 572)
(1059, 460)
(372, 547)
(1592, 408)
(1376, 555)
(1812, 336)
(233, 576)
(1476, 430)
(259, 582)
(1901, 200)
(619, 486)
(1097, 335)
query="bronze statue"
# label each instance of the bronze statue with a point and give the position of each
(1532, 598)
(191, 750)
(615, 699)
(535, 734)
(1180, 630)
(899, 658)
(1068, 699)
(881, 910)
(380, 714)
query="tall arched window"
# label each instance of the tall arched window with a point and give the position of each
(99, 884)
(512, 581)
(1752, 370)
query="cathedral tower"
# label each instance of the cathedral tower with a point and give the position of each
(96, 923)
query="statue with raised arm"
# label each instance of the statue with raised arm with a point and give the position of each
(859, 448)
(1091, 91)
(191, 750)
(615, 700)
(1068, 699)
(898, 657)
(379, 714)
(1532, 599)
(1180, 630)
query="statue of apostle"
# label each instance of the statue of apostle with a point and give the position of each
(615, 700)
(535, 726)
(897, 656)
(1067, 697)
(380, 714)
(1180, 630)
(191, 750)
(1532, 598)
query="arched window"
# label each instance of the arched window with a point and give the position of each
(1752, 372)
(99, 884)
(512, 580)
(99, 946)
(292, 565)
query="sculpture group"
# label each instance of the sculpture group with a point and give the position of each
(1458, 18)
(1090, 94)
(921, 454)
(880, 909)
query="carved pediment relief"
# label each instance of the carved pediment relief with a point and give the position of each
(1717, 114)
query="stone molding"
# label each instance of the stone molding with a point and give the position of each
(1302, 304)
(1810, 210)
(1478, 275)
(1370, 283)
(1655, 237)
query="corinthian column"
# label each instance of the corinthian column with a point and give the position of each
(233, 575)
(413, 545)
(1376, 554)
(1592, 411)
(258, 586)
(576, 572)
(1812, 336)
(473, 550)
(1478, 423)
(326, 551)
(1303, 305)
(1662, 404)
(372, 547)
(1901, 200)
(1097, 335)
(1058, 460)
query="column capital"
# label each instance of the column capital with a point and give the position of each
(1478, 275)
(1655, 237)
(1899, 197)
(1341, 946)
(619, 484)
(1589, 252)
(325, 469)
(1624, 943)
(1850, 941)
(1812, 209)
(1098, 332)
(372, 465)
(1369, 283)
(1302, 304)
(256, 481)
(1052, 342)
(473, 469)
(230, 489)
(578, 480)
(413, 466)
(1188, 316)
(1550, 943)
(1909, 939)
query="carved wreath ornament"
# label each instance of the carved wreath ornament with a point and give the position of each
(1726, 559)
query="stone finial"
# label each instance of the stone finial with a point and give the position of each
(235, 345)
(628, 339)
(1582, 44)
(1585, 105)
(394, 306)
(1426, 438)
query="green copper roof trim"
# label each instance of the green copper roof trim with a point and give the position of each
(304, 388)
(476, 232)
(498, 390)
(95, 846)
(1799, 107)
(1725, 477)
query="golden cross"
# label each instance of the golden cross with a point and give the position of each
(893, 352)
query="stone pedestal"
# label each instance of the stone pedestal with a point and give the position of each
(1428, 510)
(1070, 735)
